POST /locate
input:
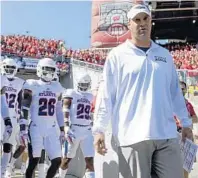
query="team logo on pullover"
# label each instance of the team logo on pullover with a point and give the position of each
(162, 59)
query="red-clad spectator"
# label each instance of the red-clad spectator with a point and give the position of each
(29, 46)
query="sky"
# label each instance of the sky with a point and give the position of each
(66, 20)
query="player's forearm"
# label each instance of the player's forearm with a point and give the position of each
(19, 100)
(4, 107)
(66, 116)
(26, 103)
(23, 120)
(66, 110)
(25, 109)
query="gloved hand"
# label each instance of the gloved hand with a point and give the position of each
(70, 137)
(7, 133)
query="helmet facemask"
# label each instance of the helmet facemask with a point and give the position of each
(47, 73)
(84, 86)
(84, 83)
(46, 69)
(9, 71)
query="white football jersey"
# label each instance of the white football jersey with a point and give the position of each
(80, 112)
(44, 99)
(12, 90)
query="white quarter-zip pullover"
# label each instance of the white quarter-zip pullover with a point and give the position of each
(140, 95)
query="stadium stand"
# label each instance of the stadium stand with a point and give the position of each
(26, 46)
(185, 54)
(30, 46)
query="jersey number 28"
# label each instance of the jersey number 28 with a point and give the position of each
(46, 107)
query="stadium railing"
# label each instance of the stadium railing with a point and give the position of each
(29, 64)
(91, 66)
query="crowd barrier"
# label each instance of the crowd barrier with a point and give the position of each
(88, 65)
(28, 64)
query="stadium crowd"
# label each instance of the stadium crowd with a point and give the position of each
(30, 46)
(185, 54)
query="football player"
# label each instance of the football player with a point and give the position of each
(6, 127)
(77, 115)
(21, 150)
(6, 124)
(42, 103)
(42, 167)
(13, 93)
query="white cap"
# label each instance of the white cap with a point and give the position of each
(136, 9)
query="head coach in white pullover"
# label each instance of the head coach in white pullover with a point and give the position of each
(140, 94)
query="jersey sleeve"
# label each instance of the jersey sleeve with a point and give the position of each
(68, 93)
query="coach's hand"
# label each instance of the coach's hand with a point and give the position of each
(99, 143)
(187, 133)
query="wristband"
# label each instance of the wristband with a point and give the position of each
(7, 122)
(25, 108)
(67, 124)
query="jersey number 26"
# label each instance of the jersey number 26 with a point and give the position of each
(46, 107)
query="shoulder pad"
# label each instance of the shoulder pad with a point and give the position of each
(68, 93)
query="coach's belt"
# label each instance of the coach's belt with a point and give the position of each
(81, 125)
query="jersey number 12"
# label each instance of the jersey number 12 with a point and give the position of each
(10, 99)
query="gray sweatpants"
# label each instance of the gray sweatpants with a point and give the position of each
(151, 159)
